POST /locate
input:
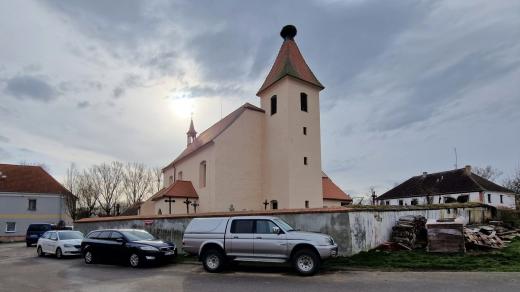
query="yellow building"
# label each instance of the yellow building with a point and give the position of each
(256, 158)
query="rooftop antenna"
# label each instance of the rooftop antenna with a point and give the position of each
(456, 158)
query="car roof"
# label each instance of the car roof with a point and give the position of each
(254, 217)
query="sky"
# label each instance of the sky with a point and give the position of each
(406, 82)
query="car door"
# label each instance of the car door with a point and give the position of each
(117, 248)
(267, 243)
(239, 240)
(52, 242)
(43, 241)
(102, 245)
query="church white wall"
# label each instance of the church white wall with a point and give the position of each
(238, 164)
(190, 171)
(331, 203)
(287, 179)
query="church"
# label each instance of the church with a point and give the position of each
(256, 158)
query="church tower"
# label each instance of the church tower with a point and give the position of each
(191, 134)
(291, 148)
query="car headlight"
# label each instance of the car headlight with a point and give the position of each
(148, 248)
(68, 245)
(331, 240)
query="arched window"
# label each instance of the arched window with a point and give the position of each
(274, 204)
(170, 179)
(273, 105)
(179, 175)
(202, 174)
(303, 101)
(159, 212)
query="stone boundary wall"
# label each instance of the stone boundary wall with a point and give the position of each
(354, 229)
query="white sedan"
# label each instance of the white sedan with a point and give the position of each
(60, 243)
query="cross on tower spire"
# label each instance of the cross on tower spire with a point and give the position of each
(191, 134)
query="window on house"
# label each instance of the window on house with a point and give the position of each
(202, 174)
(10, 227)
(159, 212)
(489, 198)
(32, 205)
(305, 160)
(274, 204)
(463, 198)
(171, 179)
(343, 204)
(501, 199)
(303, 102)
(387, 202)
(306, 204)
(304, 130)
(414, 202)
(401, 203)
(273, 105)
(440, 200)
(179, 175)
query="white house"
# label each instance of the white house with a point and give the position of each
(459, 185)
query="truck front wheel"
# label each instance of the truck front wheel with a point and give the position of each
(213, 261)
(306, 262)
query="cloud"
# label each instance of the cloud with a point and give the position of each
(31, 87)
(83, 104)
(4, 139)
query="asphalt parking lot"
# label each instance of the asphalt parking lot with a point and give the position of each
(22, 270)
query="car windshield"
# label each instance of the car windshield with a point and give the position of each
(135, 235)
(285, 226)
(39, 227)
(66, 235)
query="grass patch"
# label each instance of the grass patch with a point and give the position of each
(504, 260)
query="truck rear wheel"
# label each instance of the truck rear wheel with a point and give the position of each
(213, 261)
(306, 262)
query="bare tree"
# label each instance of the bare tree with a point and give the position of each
(137, 182)
(87, 194)
(487, 172)
(513, 183)
(107, 181)
(158, 178)
(71, 184)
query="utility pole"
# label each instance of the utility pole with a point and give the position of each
(170, 201)
(456, 158)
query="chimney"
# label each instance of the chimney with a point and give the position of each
(424, 174)
(467, 169)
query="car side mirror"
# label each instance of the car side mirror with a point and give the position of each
(276, 230)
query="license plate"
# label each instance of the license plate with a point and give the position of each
(168, 253)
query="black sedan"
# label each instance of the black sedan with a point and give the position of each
(131, 246)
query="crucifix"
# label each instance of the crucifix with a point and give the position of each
(170, 201)
(195, 205)
(266, 203)
(187, 202)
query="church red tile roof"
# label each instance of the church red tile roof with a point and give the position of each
(28, 179)
(213, 132)
(179, 189)
(331, 191)
(289, 62)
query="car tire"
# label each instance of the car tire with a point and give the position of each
(40, 252)
(89, 257)
(306, 262)
(213, 261)
(134, 260)
(59, 253)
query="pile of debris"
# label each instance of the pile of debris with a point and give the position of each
(494, 236)
(410, 232)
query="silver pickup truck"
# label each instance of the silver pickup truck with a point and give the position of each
(218, 241)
